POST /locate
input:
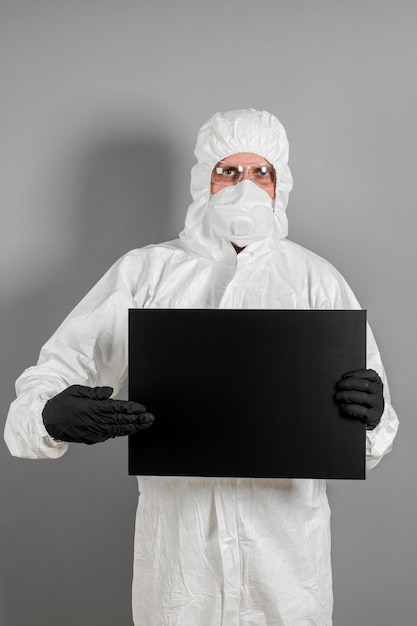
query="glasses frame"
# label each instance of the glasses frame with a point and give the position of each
(241, 170)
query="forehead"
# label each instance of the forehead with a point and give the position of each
(244, 158)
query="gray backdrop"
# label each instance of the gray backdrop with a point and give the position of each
(101, 103)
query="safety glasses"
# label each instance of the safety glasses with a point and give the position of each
(261, 175)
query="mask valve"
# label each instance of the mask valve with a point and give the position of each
(241, 226)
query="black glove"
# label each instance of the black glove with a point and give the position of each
(88, 415)
(360, 395)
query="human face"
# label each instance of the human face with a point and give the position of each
(247, 166)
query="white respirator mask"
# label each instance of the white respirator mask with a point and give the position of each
(242, 213)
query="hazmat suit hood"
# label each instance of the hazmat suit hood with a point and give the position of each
(224, 134)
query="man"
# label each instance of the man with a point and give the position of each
(208, 551)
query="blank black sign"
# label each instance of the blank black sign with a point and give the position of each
(245, 392)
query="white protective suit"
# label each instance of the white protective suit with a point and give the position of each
(225, 551)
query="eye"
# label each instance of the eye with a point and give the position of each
(230, 172)
(264, 175)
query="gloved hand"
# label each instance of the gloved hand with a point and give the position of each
(360, 395)
(88, 415)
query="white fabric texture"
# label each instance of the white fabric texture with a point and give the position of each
(209, 552)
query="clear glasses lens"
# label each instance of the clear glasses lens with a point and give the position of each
(262, 175)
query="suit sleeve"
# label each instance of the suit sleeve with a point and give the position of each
(380, 440)
(339, 295)
(89, 348)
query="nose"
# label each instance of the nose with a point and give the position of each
(246, 175)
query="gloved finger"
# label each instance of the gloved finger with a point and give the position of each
(359, 384)
(94, 393)
(99, 431)
(126, 406)
(370, 375)
(104, 414)
(356, 410)
(355, 397)
(123, 419)
(122, 430)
